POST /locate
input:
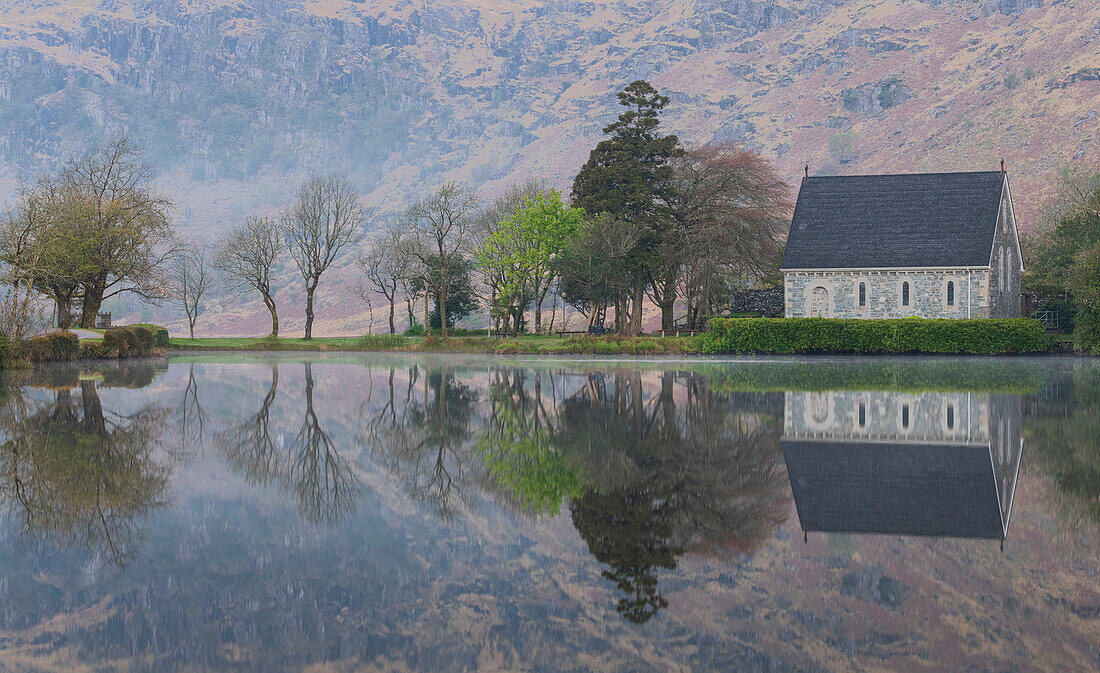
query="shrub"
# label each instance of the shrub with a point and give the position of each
(908, 335)
(130, 341)
(95, 350)
(160, 334)
(53, 346)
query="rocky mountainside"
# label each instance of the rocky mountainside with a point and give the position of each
(236, 100)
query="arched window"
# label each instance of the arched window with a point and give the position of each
(905, 416)
(863, 294)
(950, 293)
(905, 294)
(862, 415)
(950, 416)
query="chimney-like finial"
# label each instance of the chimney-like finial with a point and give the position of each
(807, 175)
(1002, 166)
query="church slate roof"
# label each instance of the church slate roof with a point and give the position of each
(904, 489)
(891, 221)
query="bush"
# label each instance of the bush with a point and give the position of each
(51, 347)
(160, 333)
(907, 335)
(96, 350)
(131, 341)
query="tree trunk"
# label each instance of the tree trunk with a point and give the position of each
(443, 298)
(636, 307)
(427, 325)
(191, 327)
(64, 312)
(668, 302)
(93, 300)
(393, 304)
(310, 288)
(270, 303)
(620, 312)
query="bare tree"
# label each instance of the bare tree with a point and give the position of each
(435, 232)
(192, 278)
(731, 210)
(248, 256)
(384, 268)
(325, 219)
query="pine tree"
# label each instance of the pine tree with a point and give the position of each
(628, 176)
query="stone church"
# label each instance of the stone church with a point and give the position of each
(933, 245)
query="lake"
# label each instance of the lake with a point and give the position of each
(352, 512)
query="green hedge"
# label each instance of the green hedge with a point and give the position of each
(52, 346)
(160, 333)
(130, 341)
(906, 335)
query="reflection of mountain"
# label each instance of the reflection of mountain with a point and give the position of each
(939, 464)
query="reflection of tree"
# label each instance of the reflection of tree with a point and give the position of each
(698, 477)
(192, 419)
(518, 448)
(77, 475)
(422, 442)
(1064, 440)
(323, 481)
(310, 465)
(629, 531)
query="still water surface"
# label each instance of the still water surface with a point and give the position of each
(387, 513)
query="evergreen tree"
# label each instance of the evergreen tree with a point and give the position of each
(628, 176)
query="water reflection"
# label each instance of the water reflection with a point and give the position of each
(407, 514)
(939, 464)
(422, 439)
(307, 465)
(76, 475)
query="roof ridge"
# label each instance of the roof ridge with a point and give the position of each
(903, 175)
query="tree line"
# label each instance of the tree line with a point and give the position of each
(646, 220)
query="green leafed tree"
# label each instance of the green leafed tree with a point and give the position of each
(629, 177)
(523, 247)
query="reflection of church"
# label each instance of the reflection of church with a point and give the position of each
(937, 464)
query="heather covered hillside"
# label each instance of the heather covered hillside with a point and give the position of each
(235, 102)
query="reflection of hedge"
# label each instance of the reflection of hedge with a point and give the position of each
(906, 335)
(935, 376)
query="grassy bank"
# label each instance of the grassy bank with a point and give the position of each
(527, 344)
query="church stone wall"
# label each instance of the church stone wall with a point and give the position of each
(1005, 276)
(927, 294)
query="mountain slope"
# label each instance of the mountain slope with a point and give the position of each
(236, 101)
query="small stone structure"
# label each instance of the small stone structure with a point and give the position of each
(767, 301)
(103, 321)
(893, 246)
